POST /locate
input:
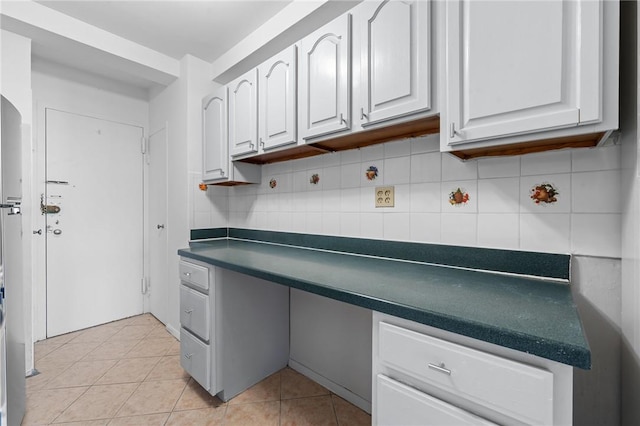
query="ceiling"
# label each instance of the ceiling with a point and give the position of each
(205, 28)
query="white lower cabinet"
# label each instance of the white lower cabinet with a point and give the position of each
(398, 404)
(234, 328)
(195, 358)
(427, 376)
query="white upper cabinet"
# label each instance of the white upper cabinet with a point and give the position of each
(521, 67)
(325, 79)
(394, 43)
(243, 114)
(277, 88)
(215, 143)
(217, 167)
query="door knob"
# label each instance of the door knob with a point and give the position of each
(160, 226)
(57, 231)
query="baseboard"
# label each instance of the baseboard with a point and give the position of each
(175, 333)
(342, 392)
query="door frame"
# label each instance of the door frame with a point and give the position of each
(39, 247)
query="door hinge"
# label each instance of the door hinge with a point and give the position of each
(143, 145)
(144, 285)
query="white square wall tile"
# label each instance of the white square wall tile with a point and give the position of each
(331, 223)
(402, 199)
(426, 198)
(498, 167)
(452, 203)
(350, 200)
(330, 177)
(350, 224)
(331, 201)
(314, 201)
(596, 234)
(455, 169)
(350, 175)
(285, 222)
(425, 227)
(397, 170)
(548, 233)
(499, 230)
(372, 153)
(429, 143)
(426, 167)
(299, 181)
(371, 225)
(596, 192)
(593, 159)
(499, 195)
(551, 162)
(299, 165)
(314, 223)
(350, 156)
(298, 201)
(459, 229)
(397, 149)
(557, 187)
(299, 222)
(397, 226)
(331, 159)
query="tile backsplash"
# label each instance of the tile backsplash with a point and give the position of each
(578, 209)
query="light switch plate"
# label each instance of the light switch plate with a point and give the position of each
(384, 196)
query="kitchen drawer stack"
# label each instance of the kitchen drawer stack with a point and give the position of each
(421, 379)
(234, 328)
(197, 286)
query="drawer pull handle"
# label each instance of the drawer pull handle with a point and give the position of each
(188, 311)
(440, 368)
(188, 356)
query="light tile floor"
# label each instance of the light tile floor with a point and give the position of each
(128, 373)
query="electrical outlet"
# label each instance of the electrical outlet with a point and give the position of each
(384, 196)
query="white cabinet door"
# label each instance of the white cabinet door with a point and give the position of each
(520, 67)
(215, 154)
(278, 93)
(398, 404)
(395, 44)
(325, 81)
(243, 114)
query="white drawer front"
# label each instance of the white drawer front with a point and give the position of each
(195, 275)
(194, 312)
(195, 358)
(517, 390)
(398, 404)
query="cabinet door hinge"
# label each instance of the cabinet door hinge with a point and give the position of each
(143, 145)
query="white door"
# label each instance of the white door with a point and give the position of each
(157, 160)
(94, 231)
(520, 67)
(277, 99)
(325, 79)
(395, 44)
(215, 148)
(243, 114)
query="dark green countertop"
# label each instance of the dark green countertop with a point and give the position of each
(526, 314)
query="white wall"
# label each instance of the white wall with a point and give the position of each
(69, 90)
(630, 293)
(15, 85)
